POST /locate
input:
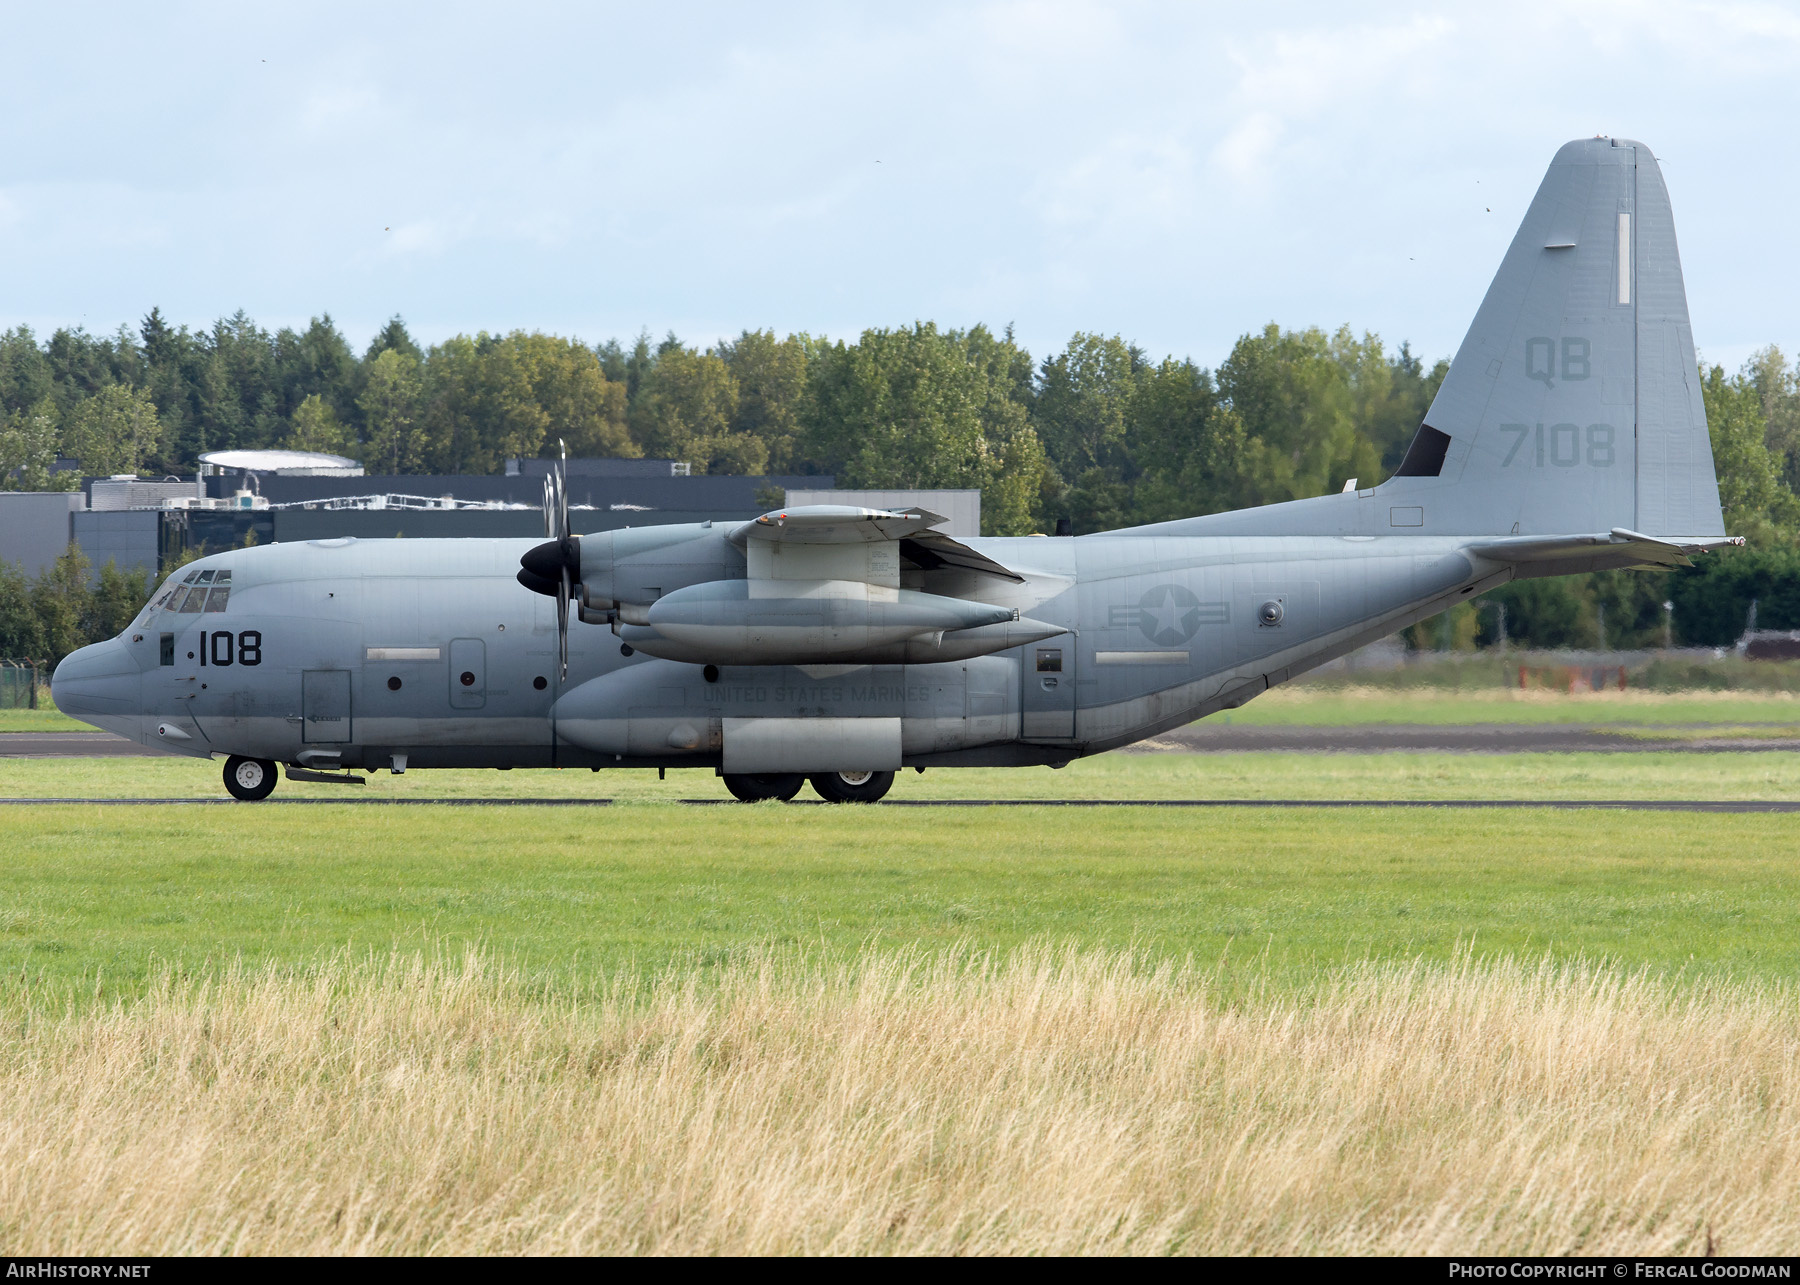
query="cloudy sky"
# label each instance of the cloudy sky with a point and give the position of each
(1176, 173)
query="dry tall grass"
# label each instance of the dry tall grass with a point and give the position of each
(1080, 1102)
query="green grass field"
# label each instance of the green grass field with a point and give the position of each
(105, 892)
(1321, 705)
(97, 896)
(39, 720)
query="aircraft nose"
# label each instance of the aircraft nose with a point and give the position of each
(99, 679)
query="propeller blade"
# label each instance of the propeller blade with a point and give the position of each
(562, 490)
(568, 554)
(562, 626)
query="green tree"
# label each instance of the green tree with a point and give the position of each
(1712, 598)
(1293, 392)
(114, 601)
(173, 361)
(28, 448)
(316, 362)
(1082, 395)
(114, 431)
(771, 378)
(491, 398)
(390, 406)
(240, 396)
(686, 409)
(25, 378)
(393, 337)
(1192, 448)
(316, 427)
(1779, 388)
(21, 634)
(60, 600)
(1391, 403)
(1758, 504)
(923, 408)
(580, 405)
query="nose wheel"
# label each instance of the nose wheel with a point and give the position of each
(852, 787)
(249, 780)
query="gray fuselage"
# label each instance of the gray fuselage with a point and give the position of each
(358, 653)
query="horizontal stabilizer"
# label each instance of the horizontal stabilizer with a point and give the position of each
(1631, 547)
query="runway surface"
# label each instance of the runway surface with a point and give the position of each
(63, 745)
(1220, 738)
(1466, 738)
(1559, 805)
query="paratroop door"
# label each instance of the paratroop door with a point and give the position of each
(1047, 701)
(325, 706)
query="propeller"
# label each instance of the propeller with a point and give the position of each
(553, 568)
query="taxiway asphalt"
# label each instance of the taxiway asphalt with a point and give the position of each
(1220, 738)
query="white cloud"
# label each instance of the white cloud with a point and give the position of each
(1292, 77)
(1178, 173)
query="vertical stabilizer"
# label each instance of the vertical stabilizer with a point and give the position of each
(1574, 404)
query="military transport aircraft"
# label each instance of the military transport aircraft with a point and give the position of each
(845, 644)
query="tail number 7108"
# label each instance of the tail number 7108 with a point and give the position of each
(1562, 445)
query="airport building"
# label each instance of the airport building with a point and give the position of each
(264, 497)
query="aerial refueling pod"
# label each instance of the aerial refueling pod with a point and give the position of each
(924, 648)
(802, 622)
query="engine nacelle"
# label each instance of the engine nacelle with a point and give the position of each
(642, 564)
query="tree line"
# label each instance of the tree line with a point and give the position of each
(1099, 432)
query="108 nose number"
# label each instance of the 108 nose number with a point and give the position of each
(221, 648)
(1562, 445)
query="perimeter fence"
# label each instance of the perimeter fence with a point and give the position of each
(18, 684)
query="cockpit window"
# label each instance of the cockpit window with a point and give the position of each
(207, 590)
(197, 590)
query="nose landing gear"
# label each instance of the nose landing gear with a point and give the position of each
(249, 780)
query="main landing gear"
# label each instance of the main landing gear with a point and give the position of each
(758, 787)
(833, 787)
(852, 787)
(249, 780)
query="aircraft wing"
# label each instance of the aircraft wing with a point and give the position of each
(1643, 550)
(846, 524)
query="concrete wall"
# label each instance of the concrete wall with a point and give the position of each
(963, 508)
(127, 538)
(35, 528)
